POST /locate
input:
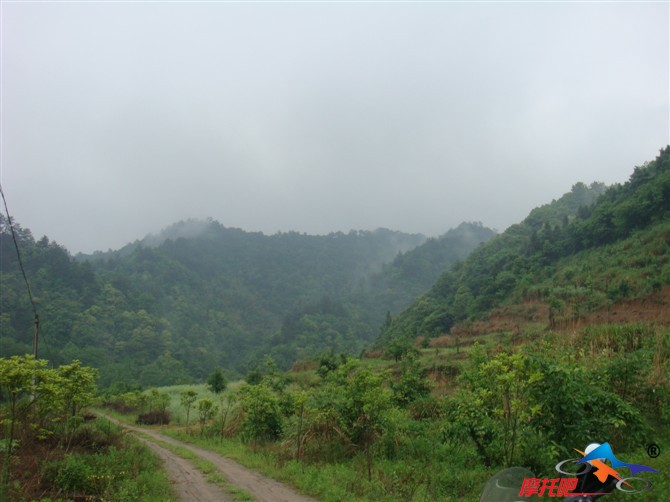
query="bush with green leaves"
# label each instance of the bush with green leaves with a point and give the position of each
(43, 401)
(412, 385)
(262, 413)
(157, 400)
(124, 471)
(187, 398)
(206, 411)
(217, 382)
(495, 404)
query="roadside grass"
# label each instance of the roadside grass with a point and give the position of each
(333, 482)
(124, 470)
(327, 482)
(343, 481)
(149, 483)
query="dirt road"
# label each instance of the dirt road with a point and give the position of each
(188, 482)
(192, 486)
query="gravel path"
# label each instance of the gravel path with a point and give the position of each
(188, 482)
(192, 485)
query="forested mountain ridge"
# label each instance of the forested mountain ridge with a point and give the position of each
(199, 296)
(351, 321)
(584, 252)
(412, 273)
(286, 268)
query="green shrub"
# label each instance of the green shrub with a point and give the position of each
(127, 473)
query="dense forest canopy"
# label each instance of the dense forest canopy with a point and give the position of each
(200, 296)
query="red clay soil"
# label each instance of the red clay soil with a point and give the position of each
(653, 308)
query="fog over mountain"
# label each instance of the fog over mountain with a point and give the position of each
(119, 119)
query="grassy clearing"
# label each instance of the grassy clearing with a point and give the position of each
(178, 412)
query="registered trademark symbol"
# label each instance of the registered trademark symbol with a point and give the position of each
(653, 450)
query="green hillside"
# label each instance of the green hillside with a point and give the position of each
(349, 322)
(582, 253)
(199, 296)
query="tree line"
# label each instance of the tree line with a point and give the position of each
(171, 309)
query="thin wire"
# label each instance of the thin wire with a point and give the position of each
(23, 272)
(25, 278)
(18, 253)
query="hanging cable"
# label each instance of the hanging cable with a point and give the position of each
(23, 272)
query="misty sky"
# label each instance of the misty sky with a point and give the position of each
(119, 119)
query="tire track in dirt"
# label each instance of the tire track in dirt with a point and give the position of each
(188, 482)
(262, 488)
